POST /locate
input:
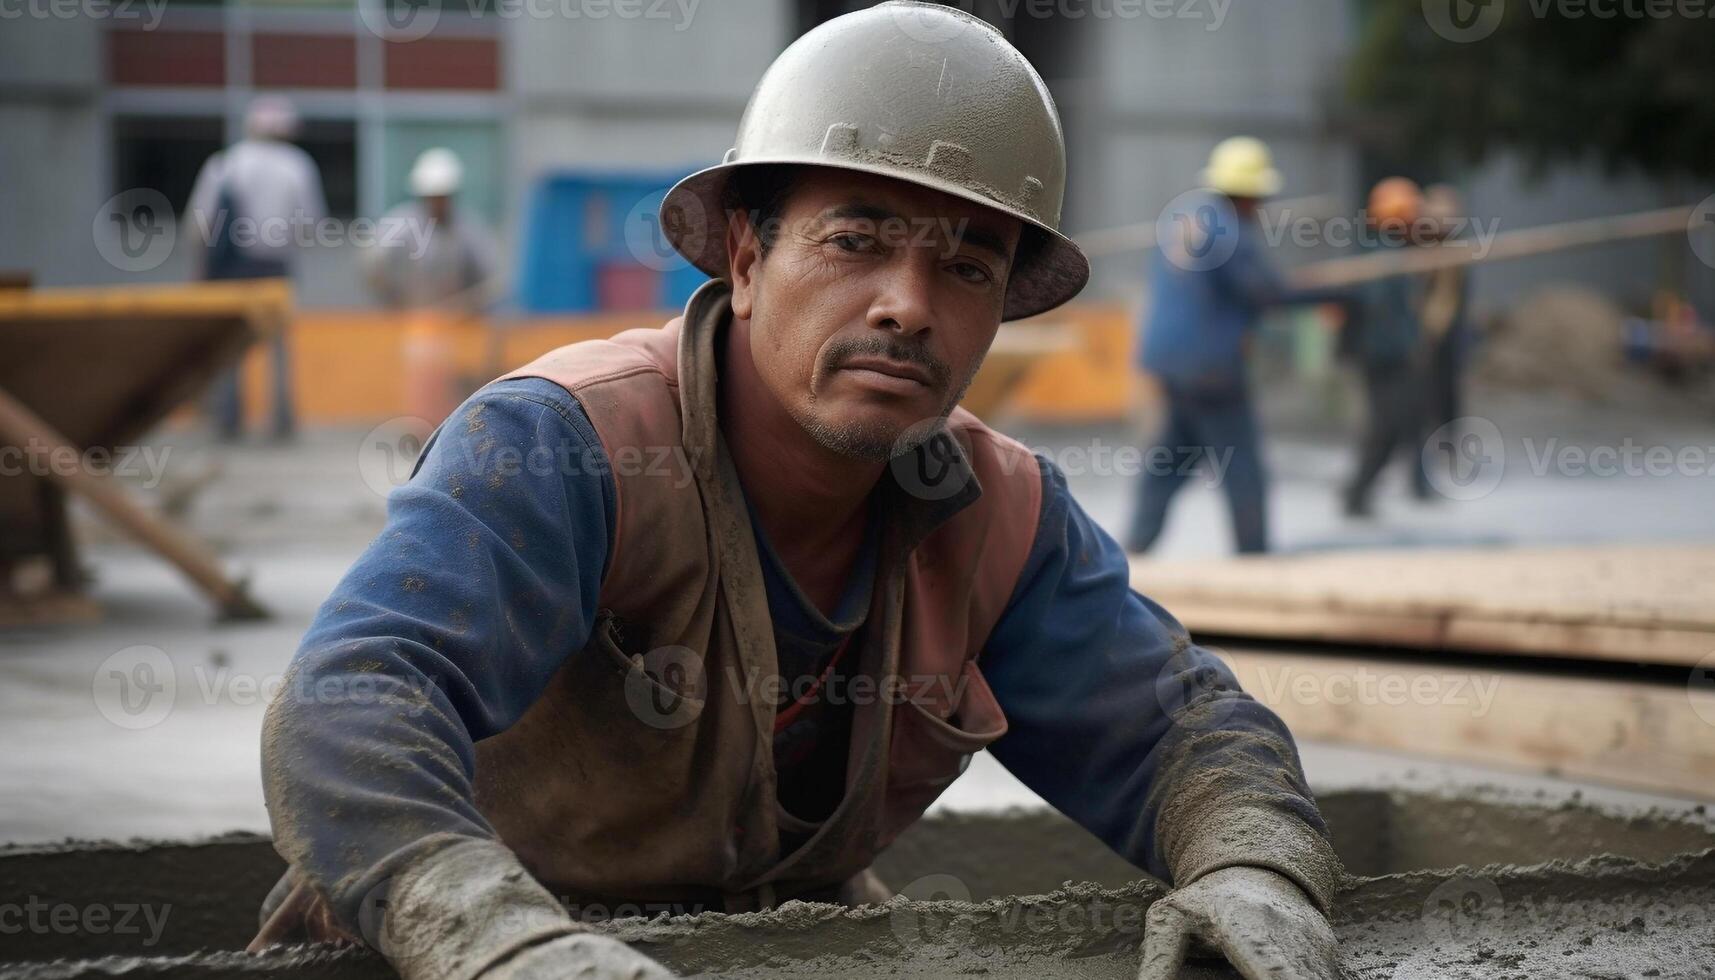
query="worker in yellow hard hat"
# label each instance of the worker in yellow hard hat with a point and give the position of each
(1210, 284)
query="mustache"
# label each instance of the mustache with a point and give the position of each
(844, 350)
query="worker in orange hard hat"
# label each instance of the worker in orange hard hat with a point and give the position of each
(1384, 340)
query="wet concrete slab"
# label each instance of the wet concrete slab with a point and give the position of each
(1478, 884)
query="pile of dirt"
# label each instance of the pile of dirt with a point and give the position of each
(1567, 339)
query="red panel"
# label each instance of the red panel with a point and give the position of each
(627, 286)
(444, 62)
(304, 60)
(166, 57)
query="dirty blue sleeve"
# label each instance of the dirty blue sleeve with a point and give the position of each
(1108, 701)
(449, 626)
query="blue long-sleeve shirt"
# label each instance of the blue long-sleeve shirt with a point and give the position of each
(454, 619)
(1201, 309)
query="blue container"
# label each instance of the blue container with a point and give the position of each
(593, 241)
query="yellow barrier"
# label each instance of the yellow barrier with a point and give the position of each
(350, 366)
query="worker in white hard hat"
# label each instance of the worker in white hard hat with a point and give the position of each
(252, 199)
(430, 253)
(703, 617)
(1209, 286)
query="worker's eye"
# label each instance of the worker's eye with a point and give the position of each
(851, 241)
(971, 271)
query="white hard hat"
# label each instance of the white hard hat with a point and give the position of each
(437, 173)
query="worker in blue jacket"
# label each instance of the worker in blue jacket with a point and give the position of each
(1209, 286)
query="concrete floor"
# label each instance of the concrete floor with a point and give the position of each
(77, 765)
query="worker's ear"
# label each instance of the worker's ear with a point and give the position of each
(744, 261)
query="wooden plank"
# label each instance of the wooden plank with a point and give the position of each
(1628, 604)
(1636, 734)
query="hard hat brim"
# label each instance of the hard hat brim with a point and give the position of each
(693, 215)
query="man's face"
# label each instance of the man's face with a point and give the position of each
(874, 307)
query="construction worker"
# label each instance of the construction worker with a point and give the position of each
(1385, 340)
(433, 254)
(251, 200)
(755, 590)
(1209, 286)
(1444, 304)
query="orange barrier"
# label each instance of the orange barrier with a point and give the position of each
(363, 366)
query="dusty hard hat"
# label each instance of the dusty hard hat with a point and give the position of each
(1242, 166)
(917, 92)
(436, 173)
(1396, 201)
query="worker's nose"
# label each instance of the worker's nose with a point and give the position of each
(904, 303)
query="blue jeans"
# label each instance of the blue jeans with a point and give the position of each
(1200, 425)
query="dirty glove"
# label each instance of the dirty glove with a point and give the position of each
(1265, 925)
(470, 911)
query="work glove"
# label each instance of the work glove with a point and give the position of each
(470, 911)
(1265, 925)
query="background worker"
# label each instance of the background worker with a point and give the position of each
(1385, 339)
(1209, 286)
(437, 264)
(444, 258)
(568, 670)
(1444, 305)
(254, 199)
